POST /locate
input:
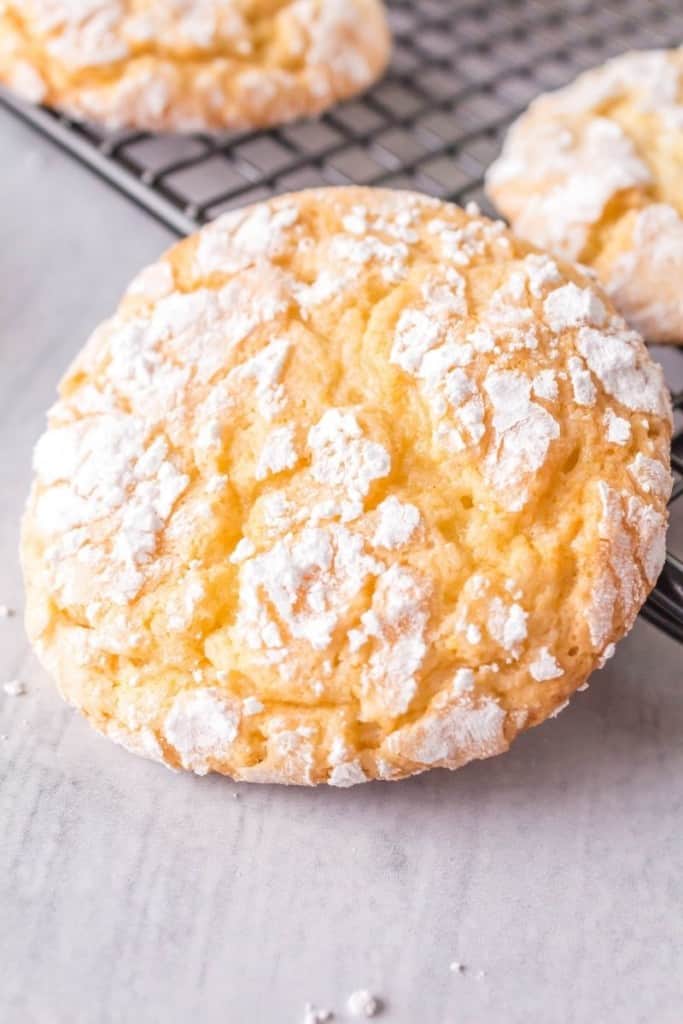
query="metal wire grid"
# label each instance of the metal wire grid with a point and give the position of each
(664, 607)
(460, 71)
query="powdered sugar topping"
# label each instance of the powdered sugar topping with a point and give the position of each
(618, 428)
(545, 666)
(507, 624)
(109, 467)
(300, 588)
(582, 384)
(523, 430)
(619, 363)
(570, 306)
(278, 453)
(651, 476)
(237, 240)
(396, 625)
(201, 726)
(397, 522)
(452, 733)
(344, 460)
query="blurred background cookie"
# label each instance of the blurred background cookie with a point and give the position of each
(353, 484)
(192, 65)
(594, 172)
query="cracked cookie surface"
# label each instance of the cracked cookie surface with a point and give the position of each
(191, 65)
(594, 172)
(353, 484)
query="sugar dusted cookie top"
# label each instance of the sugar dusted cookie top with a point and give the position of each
(353, 484)
(191, 65)
(594, 172)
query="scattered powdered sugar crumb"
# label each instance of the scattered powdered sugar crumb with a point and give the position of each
(545, 666)
(363, 1004)
(397, 521)
(6, 612)
(14, 688)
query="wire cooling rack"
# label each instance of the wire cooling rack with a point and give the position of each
(460, 71)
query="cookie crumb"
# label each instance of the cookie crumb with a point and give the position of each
(6, 612)
(14, 688)
(363, 1004)
(312, 1015)
(456, 967)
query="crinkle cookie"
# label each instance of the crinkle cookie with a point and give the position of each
(191, 65)
(594, 172)
(352, 484)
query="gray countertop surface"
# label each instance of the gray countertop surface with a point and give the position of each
(131, 894)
